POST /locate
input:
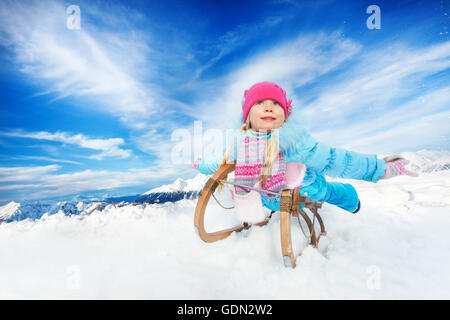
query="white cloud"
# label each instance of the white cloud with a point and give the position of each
(237, 38)
(413, 110)
(11, 174)
(381, 96)
(428, 131)
(370, 105)
(47, 184)
(26, 158)
(109, 147)
(379, 76)
(290, 64)
(89, 64)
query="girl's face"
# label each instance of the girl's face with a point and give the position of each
(266, 115)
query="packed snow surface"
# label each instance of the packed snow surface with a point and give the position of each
(396, 247)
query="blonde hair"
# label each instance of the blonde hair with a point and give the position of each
(270, 155)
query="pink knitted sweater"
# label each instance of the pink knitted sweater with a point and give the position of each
(249, 161)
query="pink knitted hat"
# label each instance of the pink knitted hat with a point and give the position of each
(265, 90)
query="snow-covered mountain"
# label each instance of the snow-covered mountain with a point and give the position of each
(8, 210)
(428, 160)
(195, 184)
(35, 209)
(179, 189)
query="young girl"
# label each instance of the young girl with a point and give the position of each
(273, 134)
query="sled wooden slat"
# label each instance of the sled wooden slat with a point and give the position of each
(312, 206)
(321, 224)
(285, 229)
(208, 189)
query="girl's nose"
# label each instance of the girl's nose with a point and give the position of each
(268, 105)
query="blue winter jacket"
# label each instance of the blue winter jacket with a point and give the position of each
(297, 145)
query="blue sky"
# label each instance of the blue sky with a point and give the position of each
(92, 111)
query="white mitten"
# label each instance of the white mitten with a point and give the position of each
(248, 207)
(295, 172)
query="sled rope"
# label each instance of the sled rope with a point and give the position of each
(314, 216)
(252, 188)
(220, 203)
(239, 185)
(301, 228)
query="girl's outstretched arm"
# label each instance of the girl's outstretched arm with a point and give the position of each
(208, 164)
(336, 162)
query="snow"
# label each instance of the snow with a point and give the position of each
(396, 247)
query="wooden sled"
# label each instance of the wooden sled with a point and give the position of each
(289, 207)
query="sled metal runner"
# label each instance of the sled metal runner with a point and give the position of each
(290, 204)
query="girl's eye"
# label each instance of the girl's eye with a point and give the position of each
(275, 102)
